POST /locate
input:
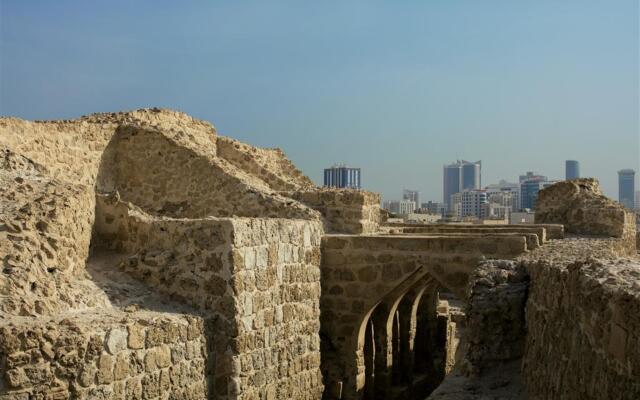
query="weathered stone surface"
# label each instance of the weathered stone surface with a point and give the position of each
(582, 208)
(583, 321)
(144, 257)
(495, 314)
(343, 210)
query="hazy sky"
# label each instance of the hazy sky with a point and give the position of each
(397, 88)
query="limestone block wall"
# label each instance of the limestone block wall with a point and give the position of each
(277, 263)
(583, 322)
(142, 355)
(343, 210)
(270, 165)
(259, 278)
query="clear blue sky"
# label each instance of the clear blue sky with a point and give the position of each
(397, 88)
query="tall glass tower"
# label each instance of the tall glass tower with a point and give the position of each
(571, 169)
(626, 187)
(341, 176)
(459, 176)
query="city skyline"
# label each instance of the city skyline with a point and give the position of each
(521, 86)
(613, 194)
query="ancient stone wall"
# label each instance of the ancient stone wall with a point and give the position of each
(136, 356)
(163, 178)
(277, 281)
(45, 229)
(256, 280)
(259, 278)
(158, 158)
(583, 322)
(343, 210)
(71, 149)
(582, 208)
(496, 314)
(544, 232)
(270, 165)
(362, 275)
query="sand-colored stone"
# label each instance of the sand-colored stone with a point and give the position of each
(145, 257)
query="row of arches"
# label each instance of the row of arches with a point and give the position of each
(406, 344)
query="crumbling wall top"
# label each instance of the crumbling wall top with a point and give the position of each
(582, 208)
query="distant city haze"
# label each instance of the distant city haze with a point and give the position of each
(398, 89)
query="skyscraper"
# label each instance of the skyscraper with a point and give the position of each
(341, 176)
(471, 175)
(626, 187)
(506, 189)
(411, 195)
(529, 191)
(451, 183)
(459, 176)
(571, 169)
(532, 175)
(472, 203)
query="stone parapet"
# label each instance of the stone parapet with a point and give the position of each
(270, 165)
(343, 210)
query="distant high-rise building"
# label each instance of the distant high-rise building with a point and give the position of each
(393, 206)
(470, 203)
(402, 207)
(434, 207)
(509, 189)
(500, 204)
(471, 175)
(529, 192)
(571, 169)
(406, 207)
(459, 176)
(341, 176)
(532, 176)
(411, 195)
(451, 183)
(637, 200)
(626, 187)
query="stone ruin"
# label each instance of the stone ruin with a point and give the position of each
(146, 257)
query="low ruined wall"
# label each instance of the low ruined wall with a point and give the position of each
(582, 208)
(496, 314)
(583, 323)
(541, 231)
(163, 178)
(134, 356)
(343, 210)
(71, 149)
(260, 278)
